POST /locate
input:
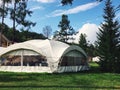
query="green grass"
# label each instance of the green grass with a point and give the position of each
(91, 80)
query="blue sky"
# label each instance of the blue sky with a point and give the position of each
(48, 12)
(81, 13)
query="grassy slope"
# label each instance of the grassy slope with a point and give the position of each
(66, 81)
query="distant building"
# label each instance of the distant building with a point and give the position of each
(4, 42)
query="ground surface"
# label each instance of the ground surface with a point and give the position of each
(89, 80)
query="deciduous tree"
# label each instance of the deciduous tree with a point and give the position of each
(18, 14)
(3, 14)
(47, 31)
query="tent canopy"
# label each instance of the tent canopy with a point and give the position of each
(52, 50)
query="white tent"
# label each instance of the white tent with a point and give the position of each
(1, 48)
(96, 59)
(43, 56)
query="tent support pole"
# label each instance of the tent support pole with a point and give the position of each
(22, 58)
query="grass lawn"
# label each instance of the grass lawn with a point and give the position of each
(91, 80)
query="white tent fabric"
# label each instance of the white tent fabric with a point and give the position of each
(1, 48)
(96, 59)
(52, 50)
(19, 46)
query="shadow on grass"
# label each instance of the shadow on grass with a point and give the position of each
(15, 77)
(54, 86)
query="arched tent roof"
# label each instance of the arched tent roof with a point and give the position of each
(52, 50)
(19, 46)
(1, 48)
(74, 47)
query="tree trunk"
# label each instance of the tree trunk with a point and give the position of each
(2, 27)
(14, 22)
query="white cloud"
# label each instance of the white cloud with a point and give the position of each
(36, 8)
(90, 30)
(74, 10)
(45, 1)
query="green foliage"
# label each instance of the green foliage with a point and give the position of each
(108, 44)
(3, 9)
(66, 2)
(18, 14)
(21, 13)
(90, 49)
(83, 42)
(3, 14)
(22, 35)
(65, 29)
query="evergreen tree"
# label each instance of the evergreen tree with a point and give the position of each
(65, 29)
(108, 44)
(88, 48)
(83, 42)
(91, 51)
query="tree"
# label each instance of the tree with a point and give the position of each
(66, 2)
(108, 43)
(21, 13)
(65, 29)
(91, 51)
(83, 42)
(88, 48)
(18, 14)
(47, 31)
(3, 14)
(56, 35)
(21, 35)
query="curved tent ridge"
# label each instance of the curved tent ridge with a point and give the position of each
(51, 48)
(19, 46)
(53, 52)
(57, 48)
(74, 47)
(2, 49)
(43, 45)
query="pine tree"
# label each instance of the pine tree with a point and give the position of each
(65, 29)
(83, 42)
(86, 46)
(108, 44)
